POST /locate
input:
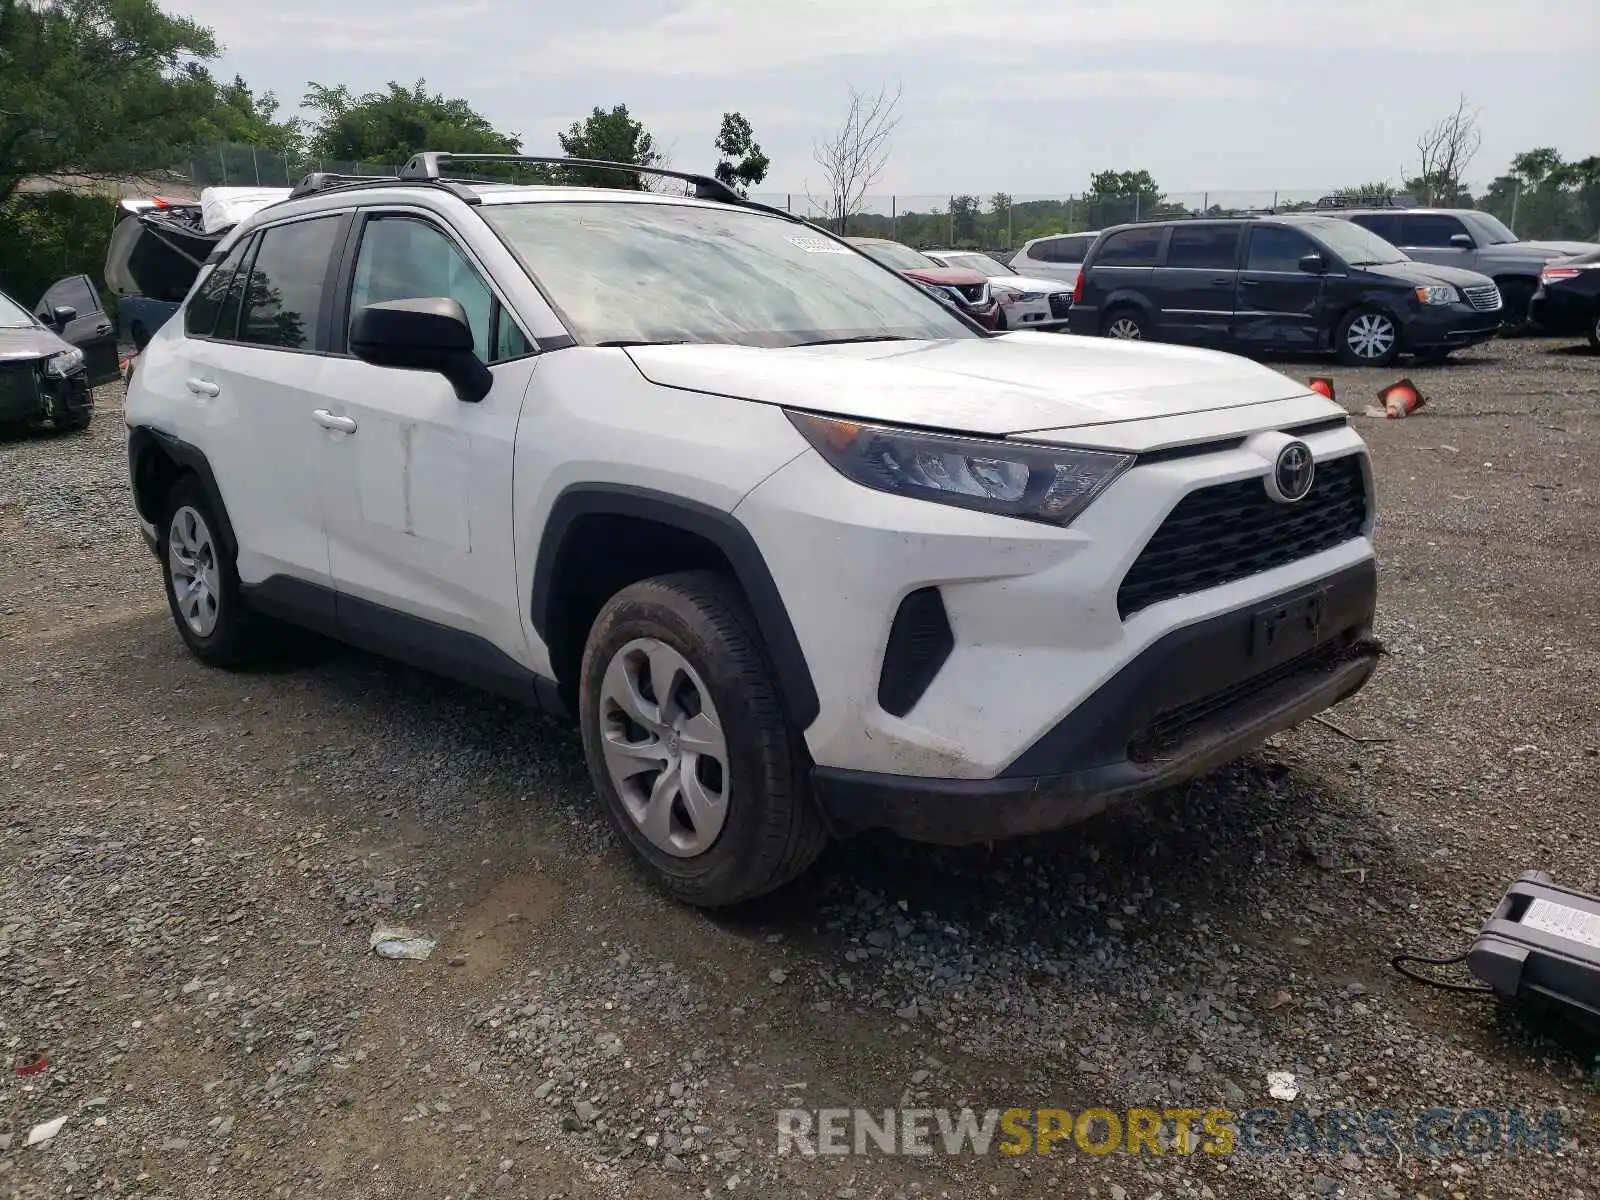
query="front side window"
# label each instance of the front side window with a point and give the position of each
(200, 316)
(1130, 248)
(284, 297)
(1433, 230)
(1274, 248)
(1214, 247)
(663, 272)
(407, 258)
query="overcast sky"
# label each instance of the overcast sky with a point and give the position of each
(1024, 96)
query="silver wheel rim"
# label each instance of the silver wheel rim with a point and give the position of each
(192, 565)
(1370, 335)
(1125, 328)
(664, 747)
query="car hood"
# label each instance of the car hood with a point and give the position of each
(1420, 273)
(29, 343)
(1027, 283)
(1547, 249)
(949, 276)
(992, 386)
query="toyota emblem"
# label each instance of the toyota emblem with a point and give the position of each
(1292, 474)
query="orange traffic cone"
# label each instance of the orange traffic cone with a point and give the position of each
(1322, 385)
(1400, 399)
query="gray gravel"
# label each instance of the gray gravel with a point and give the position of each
(191, 864)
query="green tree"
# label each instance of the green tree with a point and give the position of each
(243, 116)
(99, 86)
(386, 128)
(742, 165)
(612, 136)
(964, 231)
(1118, 196)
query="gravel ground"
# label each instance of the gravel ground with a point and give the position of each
(192, 862)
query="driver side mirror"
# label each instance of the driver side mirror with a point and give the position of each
(63, 315)
(1462, 241)
(426, 334)
(1313, 264)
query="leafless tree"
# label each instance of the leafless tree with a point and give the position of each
(852, 160)
(1446, 148)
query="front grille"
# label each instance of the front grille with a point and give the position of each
(1060, 304)
(1485, 298)
(973, 293)
(19, 391)
(1234, 530)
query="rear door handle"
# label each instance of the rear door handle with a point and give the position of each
(1223, 279)
(334, 421)
(1250, 282)
(203, 387)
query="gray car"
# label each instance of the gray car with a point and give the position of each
(51, 360)
(1474, 241)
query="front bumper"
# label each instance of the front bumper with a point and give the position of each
(1449, 326)
(1194, 700)
(28, 396)
(1036, 315)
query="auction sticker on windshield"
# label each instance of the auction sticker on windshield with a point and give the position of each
(813, 245)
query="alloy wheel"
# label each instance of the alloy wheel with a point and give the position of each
(664, 747)
(1125, 328)
(1370, 336)
(192, 565)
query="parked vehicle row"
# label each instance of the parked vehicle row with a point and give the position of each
(1025, 302)
(968, 291)
(804, 551)
(1290, 282)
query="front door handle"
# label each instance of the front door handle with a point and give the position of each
(1223, 279)
(203, 387)
(334, 421)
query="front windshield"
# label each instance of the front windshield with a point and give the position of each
(1497, 232)
(13, 315)
(639, 273)
(980, 263)
(1357, 246)
(896, 257)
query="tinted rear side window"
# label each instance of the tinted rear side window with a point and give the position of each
(1130, 248)
(1385, 225)
(200, 317)
(283, 305)
(1215, 247)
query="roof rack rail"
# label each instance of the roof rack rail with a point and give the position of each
(1388, 200)
(326, 181)
(425, 168)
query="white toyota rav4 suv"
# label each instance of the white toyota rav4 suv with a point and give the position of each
(803, 551)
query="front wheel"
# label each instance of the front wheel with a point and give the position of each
(203, 585)
(1367, 337)
(688, 744)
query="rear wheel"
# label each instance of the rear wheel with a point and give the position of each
(1367, 337)
(203, 586)
(1126, 324)
(688, 744)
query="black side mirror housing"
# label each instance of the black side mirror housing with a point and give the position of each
(430, 333)
(1313, 264)
(63, 315)
(1462, 241)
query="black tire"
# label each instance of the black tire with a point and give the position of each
(1432, 358)
(1126, 316)
(1515, 297)
(1594, 330)
(239, 637)
(74, 422)
(1349, 353)
(773, 830)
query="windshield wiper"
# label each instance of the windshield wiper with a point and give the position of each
(865, 337)
(624, 343)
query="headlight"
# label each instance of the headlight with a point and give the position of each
(1019, 297)
(1038, 483)
(1439, 293)
(59, 366)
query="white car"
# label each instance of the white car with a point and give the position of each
(1025, 302)
(1057, 257)
(803, 551)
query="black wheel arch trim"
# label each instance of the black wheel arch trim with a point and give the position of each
(723, 530)
(145, 439)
